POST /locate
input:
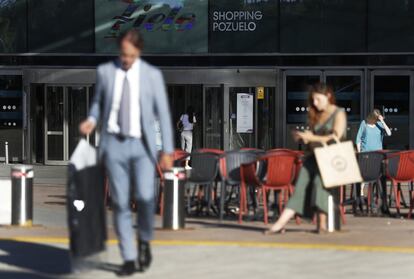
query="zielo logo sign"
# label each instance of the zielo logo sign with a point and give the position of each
(152, 17)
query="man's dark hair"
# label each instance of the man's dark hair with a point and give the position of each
(133, 36)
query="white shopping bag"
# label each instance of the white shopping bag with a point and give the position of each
(84, 155)
(338, 164)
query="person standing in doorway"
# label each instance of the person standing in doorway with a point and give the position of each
(187, 122)
(130, 95)
(370, 136)
(371, 132)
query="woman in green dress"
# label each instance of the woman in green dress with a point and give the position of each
(326, 121)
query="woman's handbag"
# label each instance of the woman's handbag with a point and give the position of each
(180, 126)
(338, 164)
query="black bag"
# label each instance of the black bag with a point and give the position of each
(180, 126)
(86, 210)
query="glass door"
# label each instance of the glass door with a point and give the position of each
(347, 86)
(180, 98)
(65, 108)
(55, 138)
(242, 111)
(251, 117)
(392, 96)
(296, 85)
(213, 115)
(266, 117)
(77, 112)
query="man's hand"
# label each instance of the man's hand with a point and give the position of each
(166, 161)
(87, 127)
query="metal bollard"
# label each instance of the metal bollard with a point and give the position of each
(334, 216)
(174, 189)
(22, 195)
(6, 152)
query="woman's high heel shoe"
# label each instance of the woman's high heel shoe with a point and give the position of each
(271, 232)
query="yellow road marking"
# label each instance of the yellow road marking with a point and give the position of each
(299, 246)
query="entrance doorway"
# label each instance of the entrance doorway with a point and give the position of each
(220, 111)
(251, 117)
(65, 107)
(347, 86)
(207, 102)
(391, 95)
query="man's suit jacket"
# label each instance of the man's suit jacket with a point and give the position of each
(152, 101)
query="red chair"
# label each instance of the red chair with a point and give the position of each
(298, 153)
(298, 165)
(179, 157)
(210, 150)
(230, 164)
(400, 169)
(411, 201)
(281, 169)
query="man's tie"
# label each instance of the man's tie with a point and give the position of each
(124, 107)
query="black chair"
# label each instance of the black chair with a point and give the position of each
(230, 163)
(204, 172)
(371, 167)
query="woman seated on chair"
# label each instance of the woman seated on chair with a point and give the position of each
(326, 121)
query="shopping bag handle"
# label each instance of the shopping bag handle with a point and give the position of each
(334, 137)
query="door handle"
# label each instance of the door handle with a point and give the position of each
(54, 133)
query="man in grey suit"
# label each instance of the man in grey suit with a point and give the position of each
(130, 96)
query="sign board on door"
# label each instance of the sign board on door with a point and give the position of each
(244, 113)
(260, 92)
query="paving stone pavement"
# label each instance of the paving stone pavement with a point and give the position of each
(366, 248)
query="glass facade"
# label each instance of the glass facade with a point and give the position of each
(296, 88)
(63, 26)
(11, 115)
(243, 26)
(390, 25)
(13, 22)
(208, 26)
(392, 98)
(348, 93)
(322, 26)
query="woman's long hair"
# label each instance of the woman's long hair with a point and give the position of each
(190, 113)
(320, 88)
(372, 117)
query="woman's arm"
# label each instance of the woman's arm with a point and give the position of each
(337, 131)
(359, 136)
(386, 128)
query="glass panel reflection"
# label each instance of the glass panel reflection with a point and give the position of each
(390, 25)
(61, 26)
(214, 114)
(296, 106)
(55, 108)
(266, 119)
(392, 96)
(55, 147)
(13, 26)
(322, 25)
(348, 96)
(77, 113)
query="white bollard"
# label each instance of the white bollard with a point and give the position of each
(6, 152)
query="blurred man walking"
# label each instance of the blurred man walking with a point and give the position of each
(130, 95)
